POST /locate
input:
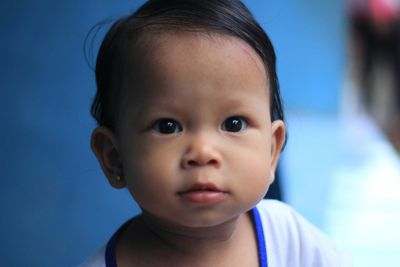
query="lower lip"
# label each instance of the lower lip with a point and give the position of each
(203, 197)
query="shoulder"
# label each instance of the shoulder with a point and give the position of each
(293, 241)
(97, 260)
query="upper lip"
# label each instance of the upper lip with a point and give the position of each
(202, 187)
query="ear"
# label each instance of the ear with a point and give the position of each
(105, 147)
(278, 135)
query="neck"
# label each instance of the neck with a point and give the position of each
(160, 243)
(188, 240)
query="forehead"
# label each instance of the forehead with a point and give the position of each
(165, 60)
(174, 46)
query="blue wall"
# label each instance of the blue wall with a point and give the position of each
(309, 38)
(57, 208)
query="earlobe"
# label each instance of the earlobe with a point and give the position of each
(104, 145)
(278, 139)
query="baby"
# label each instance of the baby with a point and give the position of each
(190, 121)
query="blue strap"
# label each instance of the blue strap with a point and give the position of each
(262, 248)
(110, 257)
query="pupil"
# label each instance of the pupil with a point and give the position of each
(167, 127)
(234, 125)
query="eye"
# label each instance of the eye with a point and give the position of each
(234, 124)
(167, 126)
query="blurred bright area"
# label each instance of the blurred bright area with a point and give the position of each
(343, 175)
(340, 168)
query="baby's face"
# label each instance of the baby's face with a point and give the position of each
(196, 142)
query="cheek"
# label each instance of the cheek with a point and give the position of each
(254, 172)
(149, 171)
(257, 175)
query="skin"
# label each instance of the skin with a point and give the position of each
(200, 81)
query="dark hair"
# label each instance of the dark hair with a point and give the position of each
(230, 17)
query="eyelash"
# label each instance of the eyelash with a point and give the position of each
(167, 126)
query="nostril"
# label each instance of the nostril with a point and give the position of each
(192, 163)
(213, 162)
(196, 163)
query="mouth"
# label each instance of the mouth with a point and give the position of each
(203, 193)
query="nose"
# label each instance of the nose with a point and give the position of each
(201, 152)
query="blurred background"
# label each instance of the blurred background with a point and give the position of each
(338, 63)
